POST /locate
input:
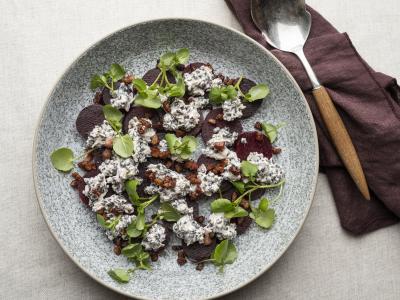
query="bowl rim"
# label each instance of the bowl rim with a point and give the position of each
(72, 65)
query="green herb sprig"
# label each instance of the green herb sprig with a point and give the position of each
(225, 253)
(271, 131)
(115, 73)
(263, 215)
(182, 148)
(148, 96)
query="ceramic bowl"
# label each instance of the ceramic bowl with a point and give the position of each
(137, 48)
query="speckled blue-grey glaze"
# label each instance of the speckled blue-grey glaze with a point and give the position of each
(137, 48)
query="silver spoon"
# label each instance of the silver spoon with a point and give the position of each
(286, 25)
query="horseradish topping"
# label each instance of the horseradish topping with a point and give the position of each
(182, 116)
(97, 137)
(199, 80)
(232, 109)
(113, 205)
(171, 185)
(268, 172)
(182, 207)
(141, 132)
(198, 102)
(217, 145)
(189, 230)
(96, 187)
(123, 97)
(119, 230)
(243, 140)
(154, 238)
(210, 182)
(221, 227)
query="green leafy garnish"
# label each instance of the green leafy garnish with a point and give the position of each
(170, 60)
(263, 215)
(115, 73)
(113, 116)
(123, 145)
(168, 213)
(147, 96)
(239, 186)
(109, 224)
(131, 189)
(182, 148)
(119, 275)
(63, 159)
(132, 250)
(140, 221)
(271, 131)
(230, 209)
(258, 92)
(218, 95)
(177, 89)
(248, 169)
(132, 230)
(225, 253)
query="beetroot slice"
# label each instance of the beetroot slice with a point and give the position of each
(195, 131)
(243, 150)
(151, 75)
(197, 252)
(205, 160)
(251, 107)
(193, 66)
(88, 118)
(242, 225)
(208, 129)
(140, 112)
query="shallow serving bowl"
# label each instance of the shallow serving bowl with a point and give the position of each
(137, 47)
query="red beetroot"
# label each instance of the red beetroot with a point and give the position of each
(208, 129)
(88, 118)
(260, 145)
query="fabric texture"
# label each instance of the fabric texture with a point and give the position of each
(369, 105)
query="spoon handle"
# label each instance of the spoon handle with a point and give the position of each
(341, 139)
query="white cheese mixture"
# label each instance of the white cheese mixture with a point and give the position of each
(115, 204)
(154, 238)
(268, 172)
(122, 97)
(182, 116)
(95, 188)
(182, 207)
(140, 141)
(232, 109)
(220, 135)
(189, 230)
(97, 137)
(210, 182)
(181, 189)
(199, 80)
(221, 226)
(120, 228)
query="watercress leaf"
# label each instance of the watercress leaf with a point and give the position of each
(221, 205)
(257, 92)
(97, 81)
(131, 189)
(169, 213)
(147, 99)
(132, 250)
(119, 275)
(116, 72)
(140, 221)
(215, 95)
(123, 145)
(171, 141)
(101, 221)
(132, 231)
(238, 212)
(224, 253)
(182, 56)
(167, 60)
(231, 91)
(263, 205)
(270, 131)
(239, 186)
(231, 254)
(178, 89)
(248, 169)
(62, 159)
(113, 116)
(190, 143)
(265, 219)
(139, 84)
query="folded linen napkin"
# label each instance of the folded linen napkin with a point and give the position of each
(369, 104)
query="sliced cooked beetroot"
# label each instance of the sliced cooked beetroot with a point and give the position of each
(141, 112)
(197, 252)
(242, 224)
(106, 95)
(251, 107)
(91, 173)
(88, 118)
(207, 130)
(195, 131)
(205, 160)
(228, 193)
(253, 145)
(257, 194)
(151, 75)
(195, 206)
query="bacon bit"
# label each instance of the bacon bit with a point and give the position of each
(74, 183)
(245, 203)
(234, 196)
(109, 143)
(127, 79)
(155, 140)
(234, 170)
(168, 182)
(181, 258)
(199, 219)
(258, 126)
(180, 133)
(178, 167)
(158, 181)
(76, 176)
(193, 178)
(169, 164)
(200, 266)
(154, 256)
(207, 239)
(165, 154)
(150, 175)
(87, 165)
(219, 146)
(212, 121)
(276, 150)
(191, 165)
(220, 117)
(97, 97)
(155, 152)
(106, 154)
(166, 106)
(117, 249)
(259, 136)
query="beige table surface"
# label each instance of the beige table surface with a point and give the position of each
(39, 39)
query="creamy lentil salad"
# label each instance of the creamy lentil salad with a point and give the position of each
(140, 138)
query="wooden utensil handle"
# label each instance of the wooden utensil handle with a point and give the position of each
(341, 139)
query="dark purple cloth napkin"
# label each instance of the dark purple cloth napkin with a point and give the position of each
(369, 104)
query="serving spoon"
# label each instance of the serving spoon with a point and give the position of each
(286, 24)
